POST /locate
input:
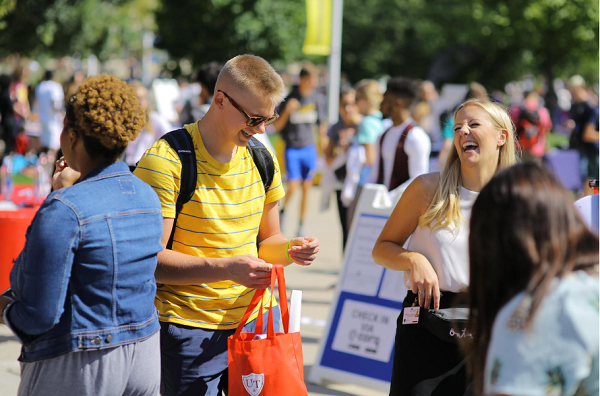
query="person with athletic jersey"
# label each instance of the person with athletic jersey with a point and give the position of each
(302, 111)
(208, 277)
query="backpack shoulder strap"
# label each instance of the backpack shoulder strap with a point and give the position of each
(263, 160)
(181, 141)
(380, 165)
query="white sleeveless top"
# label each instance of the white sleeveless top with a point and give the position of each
(447, 250)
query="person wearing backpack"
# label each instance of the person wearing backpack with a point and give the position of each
(584, 135)
(532, 124)
(211, 263)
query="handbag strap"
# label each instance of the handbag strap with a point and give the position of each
(256, 299)
(283, 303)
(277, 274)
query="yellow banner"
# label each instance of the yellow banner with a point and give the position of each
(318, 27)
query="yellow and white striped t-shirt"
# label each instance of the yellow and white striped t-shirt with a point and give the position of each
(221, 220)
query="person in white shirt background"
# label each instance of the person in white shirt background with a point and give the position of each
(404, 134)
(156, 127)
(49, 96)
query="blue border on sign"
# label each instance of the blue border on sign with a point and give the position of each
(353, 363)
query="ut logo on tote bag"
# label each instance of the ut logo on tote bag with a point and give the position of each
(253, 383)
(270, 366)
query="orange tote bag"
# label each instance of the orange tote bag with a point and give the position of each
(270, 366)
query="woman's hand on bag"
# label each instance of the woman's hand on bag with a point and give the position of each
(63, 175)
(303, 250)
(424, 282)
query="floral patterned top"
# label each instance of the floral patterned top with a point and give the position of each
(558, 355)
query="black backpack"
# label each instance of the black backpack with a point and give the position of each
(181, 141)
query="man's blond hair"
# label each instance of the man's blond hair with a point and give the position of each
(253, 74)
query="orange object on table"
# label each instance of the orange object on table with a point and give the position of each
(13, 226)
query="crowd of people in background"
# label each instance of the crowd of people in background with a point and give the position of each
(389, 132)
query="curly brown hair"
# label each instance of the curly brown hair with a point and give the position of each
(107, 110)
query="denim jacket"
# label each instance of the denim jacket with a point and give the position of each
(85, 278)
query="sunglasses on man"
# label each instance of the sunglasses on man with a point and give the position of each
(252, 121)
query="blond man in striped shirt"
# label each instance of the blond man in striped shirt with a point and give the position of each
(207, 280)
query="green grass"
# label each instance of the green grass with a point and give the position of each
(20, 178)
(556, 140)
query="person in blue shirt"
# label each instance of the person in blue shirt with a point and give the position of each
(82, 290)
(368, 100)
(533, 289)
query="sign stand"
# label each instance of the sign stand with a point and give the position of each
(358, 343)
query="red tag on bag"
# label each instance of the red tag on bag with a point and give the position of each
(270, 366)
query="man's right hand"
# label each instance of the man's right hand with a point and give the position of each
(250, 271)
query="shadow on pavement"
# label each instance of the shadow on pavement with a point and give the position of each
(4, 338)
(319, 302)
(322, 271)
(320, 388)
(310, 340)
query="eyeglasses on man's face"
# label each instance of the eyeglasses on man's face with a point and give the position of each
(252, 121)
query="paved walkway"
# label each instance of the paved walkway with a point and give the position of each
(316, 282)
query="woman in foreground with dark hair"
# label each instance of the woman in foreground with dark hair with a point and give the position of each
(83, 288)
(533, 289)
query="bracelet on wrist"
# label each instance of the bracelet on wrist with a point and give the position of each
(287, 253)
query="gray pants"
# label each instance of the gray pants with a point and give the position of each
(132, 370)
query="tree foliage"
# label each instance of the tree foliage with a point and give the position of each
(443, 40)
(217, 30)
(490, 41)
(64, 27)
(464, 40)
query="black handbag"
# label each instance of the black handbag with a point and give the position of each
(448, 324)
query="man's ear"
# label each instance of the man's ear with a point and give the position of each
(219, 100)
(399, 102)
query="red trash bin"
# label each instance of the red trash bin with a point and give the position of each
(13, 226)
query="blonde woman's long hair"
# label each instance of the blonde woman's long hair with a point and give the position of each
(444, 210)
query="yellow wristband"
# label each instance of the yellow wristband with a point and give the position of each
(287, 253)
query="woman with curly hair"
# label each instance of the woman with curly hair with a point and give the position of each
(82, 289)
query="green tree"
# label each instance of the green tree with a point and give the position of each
(63, 27)
(548, 37)
(460, 41)
(217, 30)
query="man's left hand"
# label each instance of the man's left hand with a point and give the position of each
(303, 250)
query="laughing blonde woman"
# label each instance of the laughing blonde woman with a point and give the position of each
(434, 212)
